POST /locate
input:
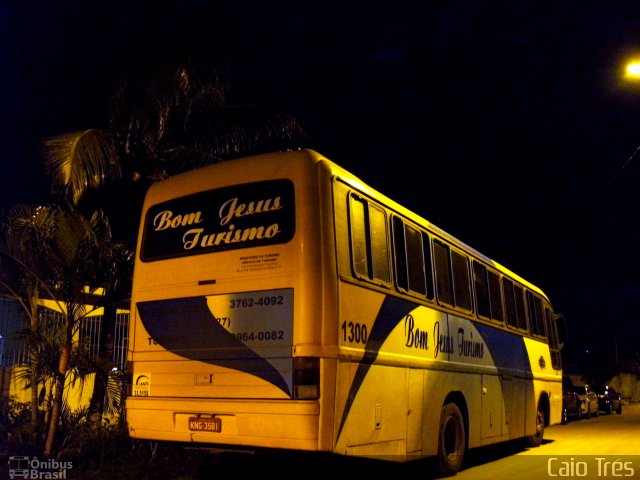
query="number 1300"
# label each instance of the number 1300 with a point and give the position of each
(354, 332)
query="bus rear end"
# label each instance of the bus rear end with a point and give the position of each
(226, 327)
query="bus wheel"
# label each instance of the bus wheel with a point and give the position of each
(535, 440)
(451, 440)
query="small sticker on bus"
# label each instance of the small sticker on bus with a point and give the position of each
(141, 385)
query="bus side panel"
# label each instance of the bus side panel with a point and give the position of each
(485, 368)
(415, 410)
(386, 420)
(515, 389)
(380, 414)
(547, 380)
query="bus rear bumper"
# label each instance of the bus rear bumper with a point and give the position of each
(287, 424)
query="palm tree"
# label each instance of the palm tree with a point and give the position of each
(26, 241)
(159, 125)
(53, 252)
(77, 261)
(115, 273)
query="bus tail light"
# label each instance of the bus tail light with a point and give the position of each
(306, 378)
(128, 378)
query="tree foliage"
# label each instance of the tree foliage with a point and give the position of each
(162, 124)
(55, 253)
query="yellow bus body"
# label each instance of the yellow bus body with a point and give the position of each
(251, 325)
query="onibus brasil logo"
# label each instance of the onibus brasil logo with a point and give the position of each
(33, 468)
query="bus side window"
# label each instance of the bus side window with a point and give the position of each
(554, 340)
(358, 237)
(369, 240)
(520, 308)
(428, 265)
(400, 254)
(495, 296)
(534, 305)
(532, 314)
(537, 302)
(379, 243)
(444, 286)
(481, 288)
(409, 255)
(415, 260)
(510, 303)
(461, 287)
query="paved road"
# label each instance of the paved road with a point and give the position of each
(581, 449)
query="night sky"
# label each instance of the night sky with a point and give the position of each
(506, 124)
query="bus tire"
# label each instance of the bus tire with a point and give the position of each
(535, 440)
(451, 440)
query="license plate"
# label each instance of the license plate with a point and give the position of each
(197, 424)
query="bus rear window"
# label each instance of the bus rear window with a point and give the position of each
(242, 216)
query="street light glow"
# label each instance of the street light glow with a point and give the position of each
(633, 70)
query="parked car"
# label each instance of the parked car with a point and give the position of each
(570, 401)
(608, 399)
(588, 400)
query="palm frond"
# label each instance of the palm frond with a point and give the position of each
(235, 131)
(27, 244)
(78, 161)
(150, 112)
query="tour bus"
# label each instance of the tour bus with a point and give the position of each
(280, 302)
